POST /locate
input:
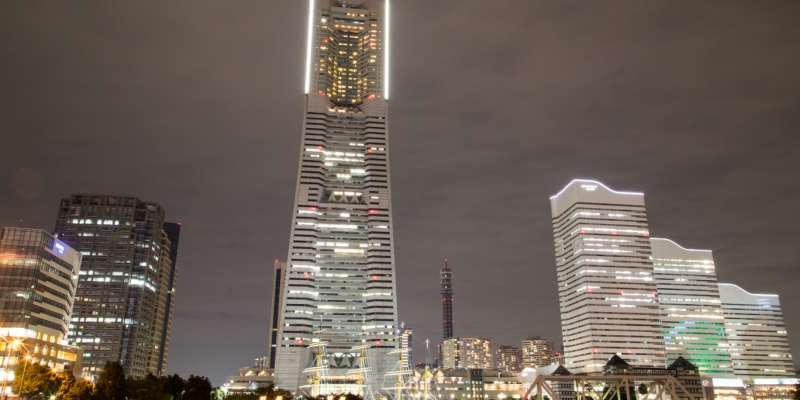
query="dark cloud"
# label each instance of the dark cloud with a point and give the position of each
(496, 106)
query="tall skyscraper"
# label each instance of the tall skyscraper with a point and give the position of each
(119, 311)
(509, 358)
(756, 332)
(469, 353)
(168, 278)
(691, 314)
(537, 352)
(447, 300)
(278, 277)
(38, 284)
(607, 294)
(340, 268)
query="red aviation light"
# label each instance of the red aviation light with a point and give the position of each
(375, 277)
(373, 211)
(313, 208)
(583, 232)
(299, 341)
(305, 275)
(646, 234)
(319, 147)
(614, 233)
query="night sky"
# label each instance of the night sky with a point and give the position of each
(496, 106)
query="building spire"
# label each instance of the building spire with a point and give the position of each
(447, 300)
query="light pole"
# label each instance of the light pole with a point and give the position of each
(22, 380)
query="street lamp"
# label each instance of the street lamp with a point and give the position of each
(22, 380)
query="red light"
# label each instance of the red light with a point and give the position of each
(313, 208)
(614, 233)
(646, 234)
(319, 147)
(299, 341)
(373, 211)
(621, 292)
(369, 150)
(379, 342)
(179, 224)
(276, 260)
(583, 232)
(375, 277)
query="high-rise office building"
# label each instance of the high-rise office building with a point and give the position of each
(756, 333)
(38, 281)
(537, 352)
(470, 353)
(168, 279)
(509, 358)
(406, 336)
(278, 277)
(119, 309)
(607, 294)
(691, 314)
(340, 270)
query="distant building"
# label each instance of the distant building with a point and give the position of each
(250, 378)
(691, 315)
(261, 362)
(168, 281)
(120, 308)
(558, 358)
(474, 384)
(278, 278)
(605, 277)
(406, 335)
(39, 282)
(757, 335)
(467, 353)
(509, 358)
(537, 352)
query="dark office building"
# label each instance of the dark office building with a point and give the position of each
(169, 278)
(120, 309)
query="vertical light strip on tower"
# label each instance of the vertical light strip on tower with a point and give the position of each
(309, 44)
(339, 278)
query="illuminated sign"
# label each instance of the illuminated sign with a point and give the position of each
(59, 248)
(589, 188)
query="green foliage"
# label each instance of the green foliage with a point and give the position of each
(172, 385)
(147, 388)
(642, 389)
(110, 384)
(34, 378)
(79, 390)
(197, 388)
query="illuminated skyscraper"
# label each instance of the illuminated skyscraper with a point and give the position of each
(472, 353)
(509, 358)
(607, 293)
(120, 308)
(757, 334)
(340, 269)
(691, 314)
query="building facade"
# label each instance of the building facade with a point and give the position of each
(446, 280)
(278, 278)
(537, 352)
(168, 279)
(509, 359)
(691, 311)
(757, 335)
(120, 309)
(38, 285)
(467, 353)
(340, 270)
(605, 277)
(406, 335)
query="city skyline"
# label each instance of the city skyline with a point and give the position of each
(696, 113)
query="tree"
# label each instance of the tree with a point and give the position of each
(146, 388)
(173, 385)
(79, 390)
(38, 378)
(796, 393)
(66, 381)
(111, 382)
(197, 388)
(643, 389)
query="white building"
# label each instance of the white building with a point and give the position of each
(691, 311)
(756, 333)
(340, 268)
(462, 353)
(607, 294)
(406, 336)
